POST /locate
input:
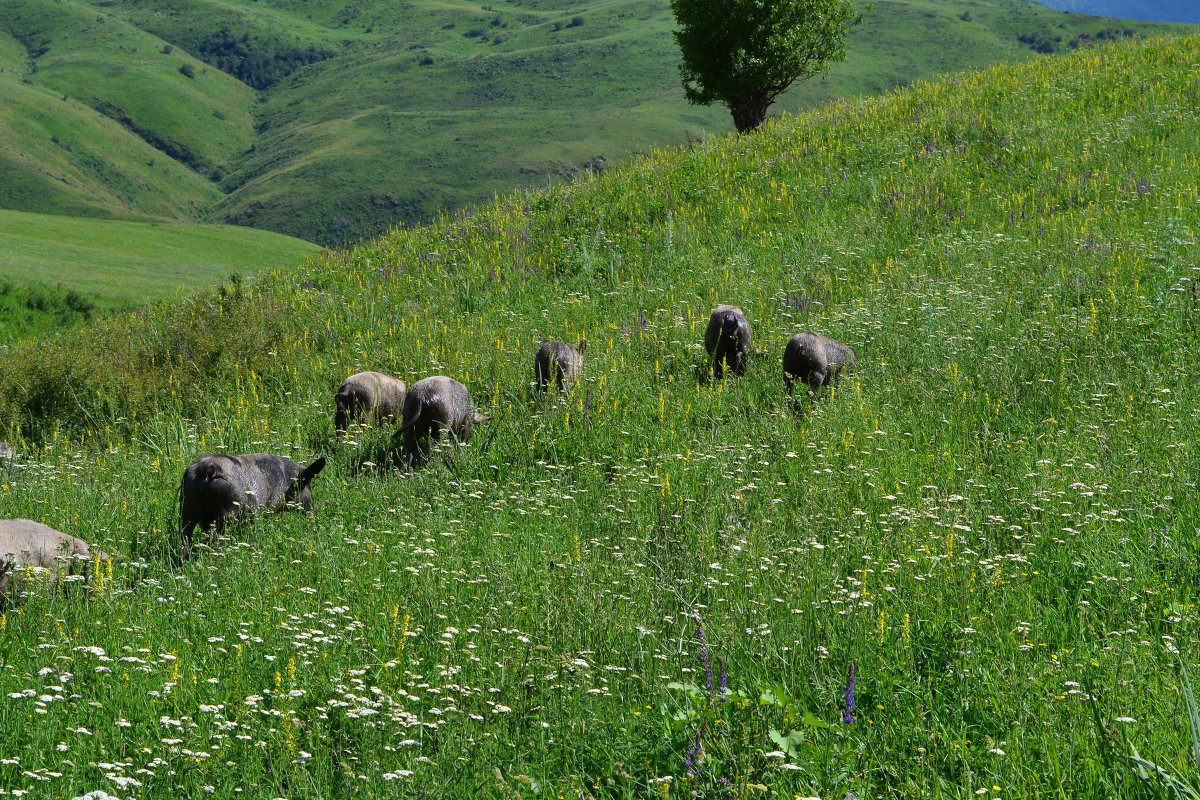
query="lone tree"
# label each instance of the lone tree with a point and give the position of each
(745, 53)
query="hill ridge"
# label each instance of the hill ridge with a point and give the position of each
(602, 82)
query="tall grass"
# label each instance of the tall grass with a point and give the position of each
(992, 519)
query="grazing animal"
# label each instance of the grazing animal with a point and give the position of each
(435, 404)
(368, 395)
(559, 361)
(727, 340)
(221, 487)
(815, 360)
(25, 543)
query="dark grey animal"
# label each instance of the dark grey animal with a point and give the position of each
(218, 488)
(560, 362)
(727, 340)
(25, 543)
(815, 360)
(435, 404)
(368, 396)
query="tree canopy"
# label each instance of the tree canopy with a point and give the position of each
(745, 53)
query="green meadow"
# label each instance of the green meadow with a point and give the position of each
(660, 585)
(114, 264)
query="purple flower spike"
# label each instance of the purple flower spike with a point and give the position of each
(691, 759)
(848, 714)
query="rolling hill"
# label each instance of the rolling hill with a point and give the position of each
(969, 569)
(334, 122)
(56, 271)
(122, 263)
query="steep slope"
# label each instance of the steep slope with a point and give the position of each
(60, 156)
(197, 115)
(970, 564)
(13, 56)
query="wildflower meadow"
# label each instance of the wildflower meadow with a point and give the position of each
(968, 569)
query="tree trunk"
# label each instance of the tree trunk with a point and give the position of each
(749, 112)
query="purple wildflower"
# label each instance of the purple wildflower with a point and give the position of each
(691, 760)
(723, 686)
(848, 714)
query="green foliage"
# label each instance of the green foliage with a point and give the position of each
(28, 311)
(257, 61)
(1159, 778)
(95, 58)
(59, 156)
(745, 53)
(992, 518)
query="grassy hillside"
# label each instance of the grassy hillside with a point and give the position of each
(378, 113)
(59, 156)
(12, 53)
(134, 262)
(200, 119)
(469, 101)
(661, 585)
(53, 269)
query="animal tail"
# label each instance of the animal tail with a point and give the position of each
(406, 426)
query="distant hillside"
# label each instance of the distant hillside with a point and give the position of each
(199, 116)
(334, 122)
(60, 156)
(1155, 10)
(56, 270)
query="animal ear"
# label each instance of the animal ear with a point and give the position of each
(311, 471)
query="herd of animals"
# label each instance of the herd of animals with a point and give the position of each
(219, 488)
